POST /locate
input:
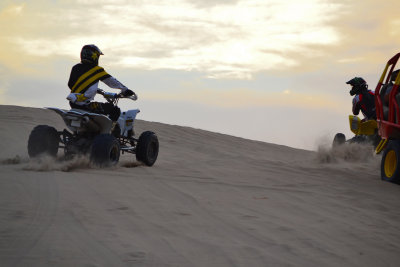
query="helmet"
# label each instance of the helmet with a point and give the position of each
(358, 85)
(90, 54)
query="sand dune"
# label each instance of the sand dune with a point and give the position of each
(210, 200)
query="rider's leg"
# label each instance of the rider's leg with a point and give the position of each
(112, 111)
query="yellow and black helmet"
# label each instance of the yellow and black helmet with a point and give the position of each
(90, 54)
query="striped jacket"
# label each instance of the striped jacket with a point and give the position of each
(84, 80)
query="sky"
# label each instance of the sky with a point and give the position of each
(266, 70)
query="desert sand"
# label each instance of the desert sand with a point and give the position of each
(210, 200)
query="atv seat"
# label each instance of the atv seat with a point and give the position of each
(79, 110)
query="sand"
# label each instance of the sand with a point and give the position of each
(210, 200)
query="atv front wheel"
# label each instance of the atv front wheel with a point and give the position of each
(43, 140)
(390, 164)
(147, 148)
(338, 140)
(105, 150)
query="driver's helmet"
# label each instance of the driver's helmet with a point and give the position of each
(358, 85)
(90, 54)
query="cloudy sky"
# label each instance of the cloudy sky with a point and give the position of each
(267, 70)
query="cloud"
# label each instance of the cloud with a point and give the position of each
(232, 40)
(394, 28)
(14, 9)
(369, 32)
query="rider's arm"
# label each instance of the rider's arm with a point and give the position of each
(114, 83)
(356, 105)
(72, 77)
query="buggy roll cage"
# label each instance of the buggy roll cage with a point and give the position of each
(388, 126)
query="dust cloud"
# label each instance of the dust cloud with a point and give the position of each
(47, 163)
(348, 152)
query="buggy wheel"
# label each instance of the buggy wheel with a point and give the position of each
(338, 140)
(43, 140)
(147, 148)
(105, 150)
(390, 164)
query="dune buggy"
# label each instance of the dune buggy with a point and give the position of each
(387, 101)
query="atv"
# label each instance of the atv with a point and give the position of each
(95, 135)
(366, 132)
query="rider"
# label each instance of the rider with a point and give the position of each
(84, 80)
(364, 99)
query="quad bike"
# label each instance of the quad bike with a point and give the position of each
(96, 135)
(365, 132)
(387, 102)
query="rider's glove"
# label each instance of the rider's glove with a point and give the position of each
(128, 92)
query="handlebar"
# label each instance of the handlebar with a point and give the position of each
(113, 97)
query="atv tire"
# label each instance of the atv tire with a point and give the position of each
(338, 140)
(105, 150)
(43, 140)
(390, 164)
(147, 148)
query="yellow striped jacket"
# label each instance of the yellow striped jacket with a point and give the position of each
(85, 75)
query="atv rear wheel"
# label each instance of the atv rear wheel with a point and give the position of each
(338, 140)
(105, 150)
(147, 148)
(43, 140)
(390, 164)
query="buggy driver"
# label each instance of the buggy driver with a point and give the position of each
(363, 100)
